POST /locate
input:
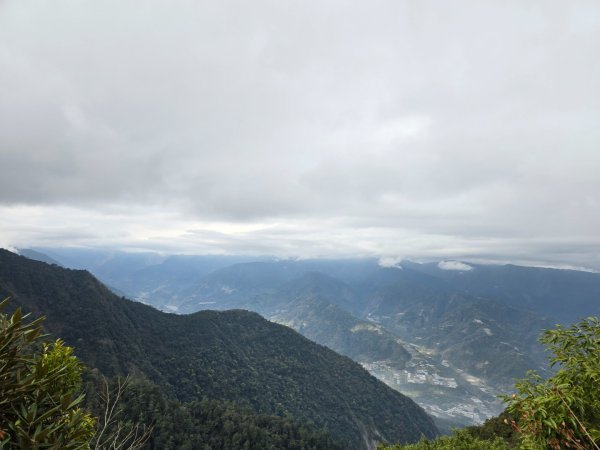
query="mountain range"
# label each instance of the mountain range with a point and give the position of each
(235, 356)
(452, 335)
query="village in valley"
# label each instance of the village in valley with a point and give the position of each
(442, 390)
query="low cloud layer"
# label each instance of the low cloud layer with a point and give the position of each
(421, 129)
(454, 265)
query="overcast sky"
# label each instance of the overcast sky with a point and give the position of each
(464, 129)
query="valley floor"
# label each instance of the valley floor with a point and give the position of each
(443, 391)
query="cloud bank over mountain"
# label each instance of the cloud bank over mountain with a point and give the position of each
(391, 128)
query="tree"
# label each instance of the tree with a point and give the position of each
(39, 389)
(113, 433)
(460, 440)
(562, 411)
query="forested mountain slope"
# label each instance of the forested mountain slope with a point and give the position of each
(469, 329)
(450, 350)
(233, 355)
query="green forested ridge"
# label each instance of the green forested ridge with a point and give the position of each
(234, 356)
(41, 406)
(479, 335)
(206, 424)
(483, 320)
(376, 314)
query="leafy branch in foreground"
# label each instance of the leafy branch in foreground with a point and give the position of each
(562, 411)
(39, 389)
(41, 399)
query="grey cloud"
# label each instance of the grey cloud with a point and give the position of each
(412, 128)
